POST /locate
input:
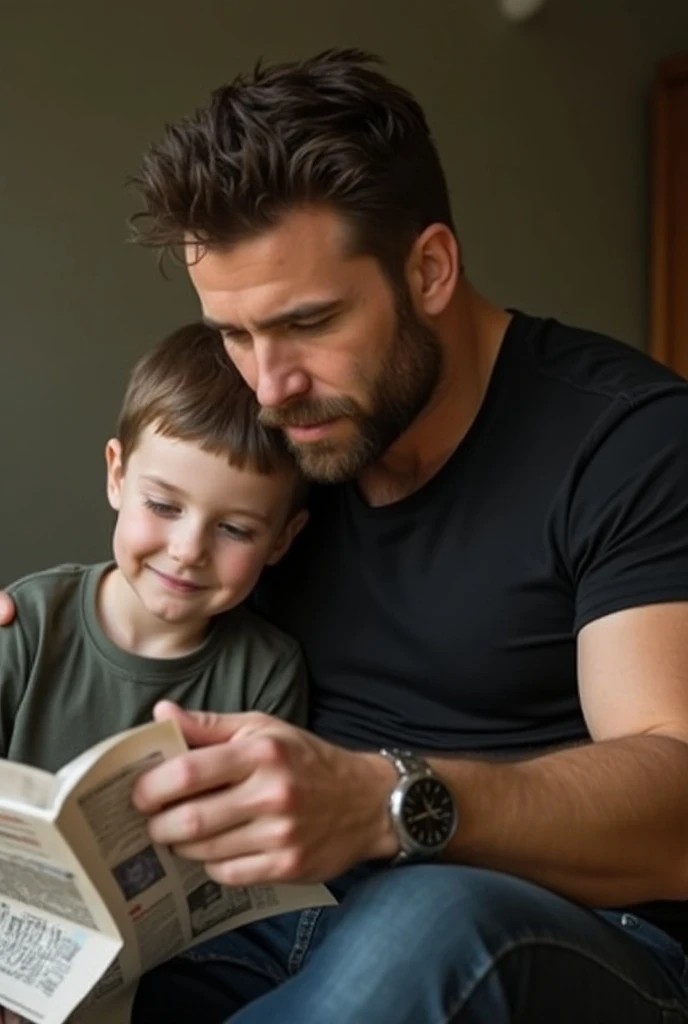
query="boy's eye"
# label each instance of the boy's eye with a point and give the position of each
(236, 532)
(161, 508)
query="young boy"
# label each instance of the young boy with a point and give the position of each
(205, 497)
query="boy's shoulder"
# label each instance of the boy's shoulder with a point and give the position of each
(41, 590)
(246, 628)
(46, 603)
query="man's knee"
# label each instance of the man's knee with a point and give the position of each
(426, 901)
(430, 930)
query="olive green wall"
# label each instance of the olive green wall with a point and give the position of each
(543, 127)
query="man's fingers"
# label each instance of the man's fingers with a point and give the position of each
(251, 870)
(7, 611)
(197, 772)
(199, 820)
(205, 728)
(233, 821)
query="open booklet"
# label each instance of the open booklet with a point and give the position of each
(87, 901)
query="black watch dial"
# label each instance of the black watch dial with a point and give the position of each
(428, 812)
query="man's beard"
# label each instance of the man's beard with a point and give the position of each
(403, 387)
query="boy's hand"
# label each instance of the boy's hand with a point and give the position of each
(260, 800)
(7, 611)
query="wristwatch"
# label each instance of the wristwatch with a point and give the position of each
(422, 808)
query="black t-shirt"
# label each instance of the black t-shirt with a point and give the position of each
(448, 620)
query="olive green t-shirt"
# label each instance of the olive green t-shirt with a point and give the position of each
(64, 685)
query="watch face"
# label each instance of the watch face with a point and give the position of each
(428, 813)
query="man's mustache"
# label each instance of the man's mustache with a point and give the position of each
(302, 412)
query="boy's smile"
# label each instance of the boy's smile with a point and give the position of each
(193, 534)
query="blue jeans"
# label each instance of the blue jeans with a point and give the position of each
(428, 944)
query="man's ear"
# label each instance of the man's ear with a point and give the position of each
(286, 538)
(115, 472)
(433, 269)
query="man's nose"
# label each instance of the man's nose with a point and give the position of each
(279, 377)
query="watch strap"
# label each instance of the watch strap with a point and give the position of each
(408, 765)
(406, 762)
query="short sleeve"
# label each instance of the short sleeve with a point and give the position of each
(15, 669)
(627, 507)
(285, 691)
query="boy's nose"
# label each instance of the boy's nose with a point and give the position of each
(187, 548)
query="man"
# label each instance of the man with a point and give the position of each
(494, 582)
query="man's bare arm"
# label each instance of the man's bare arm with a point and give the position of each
(604, 823)
(607, 823)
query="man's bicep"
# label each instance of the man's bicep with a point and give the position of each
(633, 672)
(625, 544)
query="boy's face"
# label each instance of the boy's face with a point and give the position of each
(193, 533)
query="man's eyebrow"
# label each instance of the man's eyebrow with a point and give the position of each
(303, 311)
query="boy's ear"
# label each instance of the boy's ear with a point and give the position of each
(115, 472)
(285, 539)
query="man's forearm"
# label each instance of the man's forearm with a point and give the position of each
(604, 824)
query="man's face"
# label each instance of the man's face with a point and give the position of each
(336, 362)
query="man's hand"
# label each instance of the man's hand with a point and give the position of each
(10, 1017)
(260, 800)
(7, 611)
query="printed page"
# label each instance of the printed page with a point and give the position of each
(129, 871)
(27, 785)
(211, 908)
(56, 936)
(162, 903)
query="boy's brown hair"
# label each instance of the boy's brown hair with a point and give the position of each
(187, 388)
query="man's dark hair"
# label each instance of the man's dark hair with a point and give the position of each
(330, 130)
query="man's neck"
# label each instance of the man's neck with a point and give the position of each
(125, 621)
(472, 334)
